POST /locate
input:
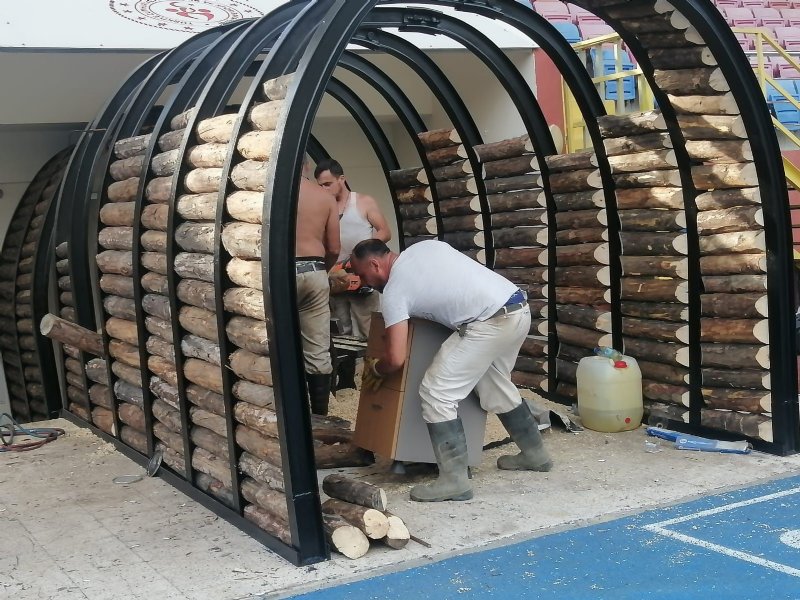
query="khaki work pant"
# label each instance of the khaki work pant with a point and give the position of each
(313, 292)
(481, 360)
(354, 312)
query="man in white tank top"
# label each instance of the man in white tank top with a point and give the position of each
(490, 319)
(359, 219)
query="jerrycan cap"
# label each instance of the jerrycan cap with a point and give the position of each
(620, 364)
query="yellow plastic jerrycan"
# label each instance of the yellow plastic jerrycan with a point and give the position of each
(610, 393)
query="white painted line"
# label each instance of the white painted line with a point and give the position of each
(660, 528)
(727, 551)
(727, 507)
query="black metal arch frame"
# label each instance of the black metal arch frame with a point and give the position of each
(309, 39)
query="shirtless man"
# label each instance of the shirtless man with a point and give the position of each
(359, 219)
(316, 250)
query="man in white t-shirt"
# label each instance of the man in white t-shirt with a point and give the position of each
(490, 319)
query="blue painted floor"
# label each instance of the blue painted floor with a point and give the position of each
(743, 544)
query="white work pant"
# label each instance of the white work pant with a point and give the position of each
(481, 360)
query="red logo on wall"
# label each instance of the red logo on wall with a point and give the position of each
(182, 15)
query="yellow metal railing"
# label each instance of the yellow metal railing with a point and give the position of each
(764, 43)
(591, 53)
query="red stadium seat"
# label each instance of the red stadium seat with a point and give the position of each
(555, 12)
(788, 37)
(739, 16)
(768, 16)
(791, 15)
(593, 30)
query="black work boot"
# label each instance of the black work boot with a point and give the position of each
(319, 389)
(346, 373)
(450, 449)
(522, 428)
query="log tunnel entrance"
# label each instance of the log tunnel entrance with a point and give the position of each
(669, 239)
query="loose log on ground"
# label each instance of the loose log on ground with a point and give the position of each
(65, 332)
(504, 148)
(344, 537)
(746, 356)
(750, 305)
(354, 491)
(373, 523)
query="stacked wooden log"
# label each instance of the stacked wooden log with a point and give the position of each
(161, 341)
(734, 361)
(119, 375)
(356, 514)
(734, 330)
(17, 331)
(78, 402)
(582, 276)
(654, 288)
(414, 201)
(517, 218)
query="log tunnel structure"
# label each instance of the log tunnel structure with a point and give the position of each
(171, 228)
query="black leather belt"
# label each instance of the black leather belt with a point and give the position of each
(308, 266)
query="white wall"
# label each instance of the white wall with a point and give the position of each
(488, 103)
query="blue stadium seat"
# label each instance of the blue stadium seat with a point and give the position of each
(610, 66)
(787, 114)
(570, 32)
(790, 85)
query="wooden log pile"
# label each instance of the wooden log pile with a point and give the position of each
(516, 215)
(17, 330)
(581, 276)
(653, 289)
(356, 514)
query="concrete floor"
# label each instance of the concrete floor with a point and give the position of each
(71, 533)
